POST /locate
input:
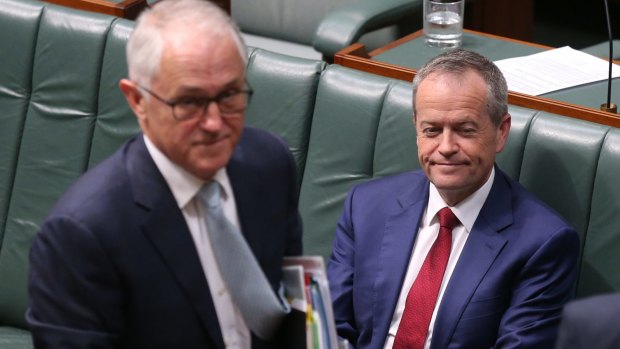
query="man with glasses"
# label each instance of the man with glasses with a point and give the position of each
(132, 255)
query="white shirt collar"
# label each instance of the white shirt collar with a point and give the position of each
(184, 185)
(466, 211)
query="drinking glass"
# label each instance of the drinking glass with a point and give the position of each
(443, 22)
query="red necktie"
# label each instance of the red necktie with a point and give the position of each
(423, 294)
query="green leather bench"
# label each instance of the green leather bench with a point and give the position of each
(62, 113)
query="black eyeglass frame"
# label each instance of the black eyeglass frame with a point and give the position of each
(247, 90)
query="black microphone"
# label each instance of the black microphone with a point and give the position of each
(609, 107)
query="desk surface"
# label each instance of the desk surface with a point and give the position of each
(414, 52)
(403, 57)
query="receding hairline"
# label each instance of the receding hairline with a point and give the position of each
(458, 63)
(159, 24)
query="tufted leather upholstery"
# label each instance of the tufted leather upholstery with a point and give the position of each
(283, 99)
(62, 112)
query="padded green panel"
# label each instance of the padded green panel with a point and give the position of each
(509, 160)
(396, 150)
(341, 151)
(290, 20)
(283, 99)
(18, 26)
(15, 338)
(56, 139)
(559, 163)
(351, 23)
(601, 252)
(115, 120)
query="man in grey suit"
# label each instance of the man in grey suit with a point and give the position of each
(591, 323)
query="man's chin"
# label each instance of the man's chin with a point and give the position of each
(205, 169)
(448, 182)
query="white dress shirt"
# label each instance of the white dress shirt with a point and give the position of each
(467, 212)
(184, 187)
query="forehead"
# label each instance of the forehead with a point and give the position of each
(453, 82)
(450, 95)
(192, 56)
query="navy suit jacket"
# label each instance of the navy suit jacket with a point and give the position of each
(591, 323)
(114, 264)
(507, 290)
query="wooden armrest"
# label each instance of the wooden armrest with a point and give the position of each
(126, 9)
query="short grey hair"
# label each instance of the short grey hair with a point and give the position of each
(458, 62)
(146, 44)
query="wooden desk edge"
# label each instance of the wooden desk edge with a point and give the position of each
(356, 57)
(128, 9)
(419, 33)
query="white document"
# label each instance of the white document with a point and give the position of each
(553, 70)
(293, 279)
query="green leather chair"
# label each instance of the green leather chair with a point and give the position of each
(60, 115)
(320, 28)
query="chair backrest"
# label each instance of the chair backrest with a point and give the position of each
(288, 20)
(59, 95)
(317, 29)
(283, 101)
(362, 128)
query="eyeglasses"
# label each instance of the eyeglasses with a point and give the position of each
(230, 103)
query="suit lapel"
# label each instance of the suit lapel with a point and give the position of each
(481, 249)
(165, 226)
(401, 229)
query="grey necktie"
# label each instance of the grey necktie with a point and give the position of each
(246, 282)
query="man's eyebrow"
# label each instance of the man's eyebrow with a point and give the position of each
(199, 90)
(466, 122)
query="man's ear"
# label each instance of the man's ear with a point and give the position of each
(134, 97)
(502, 133)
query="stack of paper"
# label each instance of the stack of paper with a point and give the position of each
(553, 70)
(307, 290)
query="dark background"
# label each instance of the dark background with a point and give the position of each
(576, 23)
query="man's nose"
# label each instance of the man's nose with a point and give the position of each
(212, 118)
(447, 143)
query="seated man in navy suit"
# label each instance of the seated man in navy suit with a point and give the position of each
(126, 258)
(591, 323)
(457, 255)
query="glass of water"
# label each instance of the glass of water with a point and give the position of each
(443, 22)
